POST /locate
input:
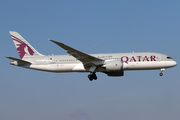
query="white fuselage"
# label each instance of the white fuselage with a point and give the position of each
(131, 61)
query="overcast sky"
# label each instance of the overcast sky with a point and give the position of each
(91, 26)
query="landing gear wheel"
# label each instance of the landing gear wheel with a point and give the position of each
(162, 69)
(161, 74)
(92, 76)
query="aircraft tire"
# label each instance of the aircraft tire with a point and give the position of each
(94, 76)
(161, 74)
(90, 77)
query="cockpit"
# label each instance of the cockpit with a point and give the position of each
(169, 57)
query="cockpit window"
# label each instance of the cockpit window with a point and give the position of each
(169, 58)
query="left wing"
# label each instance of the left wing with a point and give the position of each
(89, 62)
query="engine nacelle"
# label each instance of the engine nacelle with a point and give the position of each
(113, 65)
(114, 68)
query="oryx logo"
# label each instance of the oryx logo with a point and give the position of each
(22, 47)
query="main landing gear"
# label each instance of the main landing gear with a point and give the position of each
(92, 76)
(161, 74)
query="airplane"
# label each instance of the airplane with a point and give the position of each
(112, 64)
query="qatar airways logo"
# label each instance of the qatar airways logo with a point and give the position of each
(138, 59)
(22, 47)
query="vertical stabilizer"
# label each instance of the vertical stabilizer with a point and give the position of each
(23, 47)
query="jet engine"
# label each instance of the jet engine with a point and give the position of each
(114, 68)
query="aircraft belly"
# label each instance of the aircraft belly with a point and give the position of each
(79, 68)
(144, 65)
(59, 67)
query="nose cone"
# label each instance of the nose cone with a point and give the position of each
(175, 63)
(171, 63)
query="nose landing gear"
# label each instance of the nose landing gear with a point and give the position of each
(161, 74)
(92, 76)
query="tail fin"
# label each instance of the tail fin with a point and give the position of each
(23, 47)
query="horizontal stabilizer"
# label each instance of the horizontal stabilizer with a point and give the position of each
(19, 60)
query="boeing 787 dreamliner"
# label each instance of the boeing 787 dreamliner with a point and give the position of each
(112, 64)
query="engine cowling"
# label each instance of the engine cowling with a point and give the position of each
(114, 68)
(113, 65)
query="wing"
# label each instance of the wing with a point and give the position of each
(89, 62)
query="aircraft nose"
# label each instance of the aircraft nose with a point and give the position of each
(175, 63)
(171, 63)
